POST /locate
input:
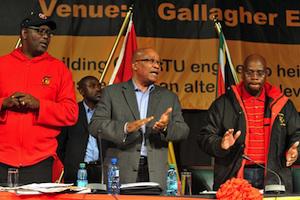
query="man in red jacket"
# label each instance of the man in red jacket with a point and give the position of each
(36, 99)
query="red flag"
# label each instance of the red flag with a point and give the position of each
(122, 71)
(57, 170)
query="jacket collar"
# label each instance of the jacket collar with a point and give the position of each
(18, 53)
(271, 91)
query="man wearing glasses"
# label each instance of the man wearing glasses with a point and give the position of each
(253, 120)
(139, 118)
(36, 99)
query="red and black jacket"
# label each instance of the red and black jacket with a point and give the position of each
(282, 120)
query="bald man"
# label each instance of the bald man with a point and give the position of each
(256, 120)
(139, 118)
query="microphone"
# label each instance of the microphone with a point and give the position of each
(274, 188)
(96, 187)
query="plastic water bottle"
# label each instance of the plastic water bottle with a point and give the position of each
(113, 183)
(172, 186)
(82, 176)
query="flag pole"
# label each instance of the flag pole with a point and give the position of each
(217, 25)
(112, 52)
(18, 44)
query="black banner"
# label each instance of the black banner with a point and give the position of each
(255, 21)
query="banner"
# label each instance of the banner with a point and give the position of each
(181, 31)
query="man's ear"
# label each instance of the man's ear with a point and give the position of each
(134, 67)
(81, 91)
(24, 33)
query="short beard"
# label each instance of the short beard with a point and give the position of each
(254, 93)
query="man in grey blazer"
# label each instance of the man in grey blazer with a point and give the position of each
(139, 118)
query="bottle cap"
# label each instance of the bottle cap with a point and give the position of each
(114, 161)
(172, 166)
(82, 165)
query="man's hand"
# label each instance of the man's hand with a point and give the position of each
(163, 121)
(19, 101)
(229, 139)
(10, 102)
(292, 154)
(136, 125)
(27, 101)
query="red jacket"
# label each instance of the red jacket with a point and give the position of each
(30, 137)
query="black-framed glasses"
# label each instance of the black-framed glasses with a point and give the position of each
(42, 31)
(152, 61)
(259, 73)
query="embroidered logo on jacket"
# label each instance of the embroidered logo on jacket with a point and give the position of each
(281, 119)
(46, 80)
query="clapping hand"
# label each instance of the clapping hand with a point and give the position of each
(163, 122)
(136, 125)
(292, 154)
(229, 139)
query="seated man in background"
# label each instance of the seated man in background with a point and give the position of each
(253, 119)
(75, 143)
(139, 118)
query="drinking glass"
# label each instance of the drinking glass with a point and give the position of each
(186, 183)
(12, 177)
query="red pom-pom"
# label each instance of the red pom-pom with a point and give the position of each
(238, 189)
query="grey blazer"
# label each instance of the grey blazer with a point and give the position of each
(117, 106)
